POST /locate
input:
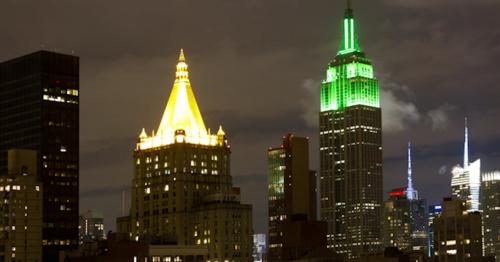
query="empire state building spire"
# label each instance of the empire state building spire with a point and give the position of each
(349, 42)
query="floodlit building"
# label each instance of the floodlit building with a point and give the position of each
(39, 110)
(466, 180)
(490, 206)
(351, 149)
(457, 233)
(21, 208)
(91, 227)
(182, 190)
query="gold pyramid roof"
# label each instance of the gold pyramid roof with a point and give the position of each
(182, 120)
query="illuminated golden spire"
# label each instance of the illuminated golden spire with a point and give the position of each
(181, 121)
(182, 110)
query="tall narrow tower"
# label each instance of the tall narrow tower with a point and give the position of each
(410, 192)
(351, 149)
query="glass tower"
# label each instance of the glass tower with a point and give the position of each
(39, 97)
(351, 149)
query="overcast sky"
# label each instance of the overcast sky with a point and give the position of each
(255, 67)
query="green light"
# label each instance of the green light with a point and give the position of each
(352, 33)
(349, 85)
(346, 34)
(349, 80)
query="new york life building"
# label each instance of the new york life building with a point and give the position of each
(351, 149)
(182, 191)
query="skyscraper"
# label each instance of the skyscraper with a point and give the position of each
(466, 180)
(490, 206)
(182, 191)
(351, 149)
(292, 201)
(457, 233)
(39, 96)
(405, 219)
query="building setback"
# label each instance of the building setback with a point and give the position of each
(292, 203)
(21, 208)
(39, 96)
(351, 149)
(490, 205)
(457, 233)
(182, 189)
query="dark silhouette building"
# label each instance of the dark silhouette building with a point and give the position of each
(351, 149)
(294, 232)
(457, 233)
(490, 206)
(39, 96)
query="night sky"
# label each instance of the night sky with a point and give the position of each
(255, 67)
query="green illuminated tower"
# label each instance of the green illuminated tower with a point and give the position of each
(351, 149)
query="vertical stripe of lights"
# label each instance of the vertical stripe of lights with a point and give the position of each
(346, 34)
(352, 33)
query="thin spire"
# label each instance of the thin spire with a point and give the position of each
(466, 145)
(181, 56)
(409, 190)
(349, 42)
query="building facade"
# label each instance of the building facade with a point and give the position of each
(21, 208)
(457, 233)
(39, 96)
(351, 149)
(91, 227)
(434, 212)
(405, 222)
(291, 189)
(182, 188)
(490, 205)
(466, 180)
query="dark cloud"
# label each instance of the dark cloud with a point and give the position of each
(254, 65)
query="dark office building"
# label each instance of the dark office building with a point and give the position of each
(351, 149)
(434, 212)
(294, 231)
(457, 233)
(39, 110)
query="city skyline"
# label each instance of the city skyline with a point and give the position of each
(129, 74)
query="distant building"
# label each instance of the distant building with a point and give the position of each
(350, 142)
(434, 212)
(21, 208)
(490, 205)
(393, 254)
(39, 110)
(457, 233)
(259, 247)
(466, 180)
(119, 248)
(182, 190)
(91, 227)
(404, 222)
(292, 202)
